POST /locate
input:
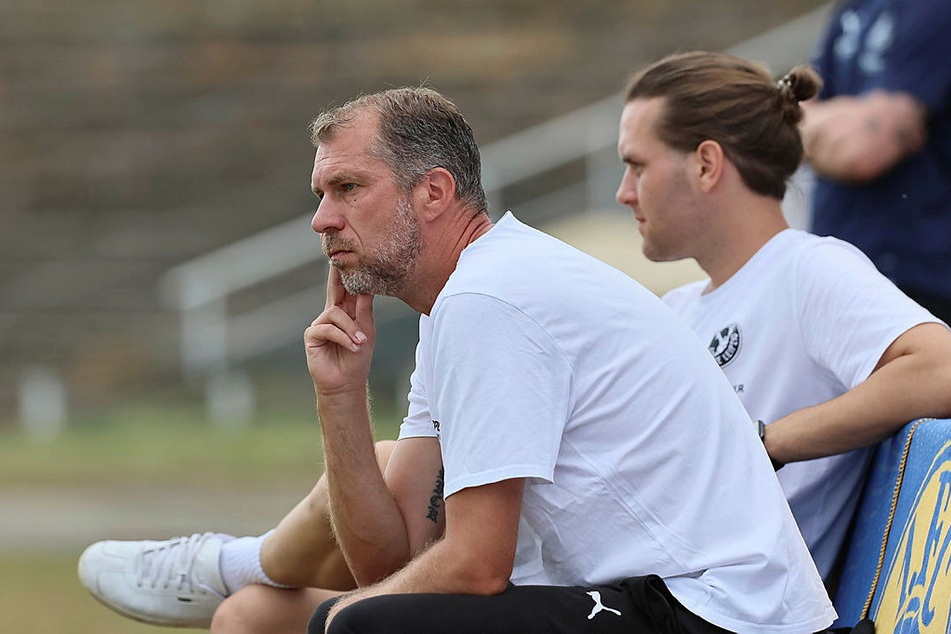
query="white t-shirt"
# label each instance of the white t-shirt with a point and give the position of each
(803, 321)
(540, 362)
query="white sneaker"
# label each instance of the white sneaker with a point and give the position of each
(175, 583)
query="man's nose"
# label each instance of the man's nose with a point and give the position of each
(326, 218)
(626, 192)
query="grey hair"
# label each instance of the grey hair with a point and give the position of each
(419, 129)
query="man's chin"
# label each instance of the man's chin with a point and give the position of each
(655, 255)
(358, 283)
(354, 286)
(650, 253)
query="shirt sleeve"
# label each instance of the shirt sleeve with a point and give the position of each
(418, 422)
(501, 388)
(849, 313)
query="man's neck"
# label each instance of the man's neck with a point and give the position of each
(439, 258)
(739, 241)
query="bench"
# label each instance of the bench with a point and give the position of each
(897, 569)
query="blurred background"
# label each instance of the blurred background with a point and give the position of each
(156, 263)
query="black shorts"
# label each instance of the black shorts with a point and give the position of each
(637, 604)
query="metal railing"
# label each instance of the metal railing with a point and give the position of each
(200, 288)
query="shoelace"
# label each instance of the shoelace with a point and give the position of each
(172, 562)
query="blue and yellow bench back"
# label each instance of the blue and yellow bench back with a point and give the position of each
(898, 567)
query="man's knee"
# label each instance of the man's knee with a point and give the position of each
(258, 609)
(236, 614)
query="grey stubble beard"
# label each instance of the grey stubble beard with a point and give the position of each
(388, 269)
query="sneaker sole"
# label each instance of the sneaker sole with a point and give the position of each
(204, 623)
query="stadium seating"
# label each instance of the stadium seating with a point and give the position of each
(897, 569)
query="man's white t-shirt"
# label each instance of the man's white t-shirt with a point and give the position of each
(803, 321)
(540, 362)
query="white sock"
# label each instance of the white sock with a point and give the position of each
(240, 563)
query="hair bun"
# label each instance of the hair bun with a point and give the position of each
(799, 84)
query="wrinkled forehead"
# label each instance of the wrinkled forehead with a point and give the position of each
(348, 157)
(351, 144)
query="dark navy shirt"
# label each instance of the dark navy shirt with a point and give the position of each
(902, 220)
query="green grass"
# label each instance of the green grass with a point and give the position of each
(39, 594)
(170, 446)
(169, 451)
(39, 591)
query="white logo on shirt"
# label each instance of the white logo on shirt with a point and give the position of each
(725, 344)
(847, 44)
(877, 42)
(871, 52)
(598, 606)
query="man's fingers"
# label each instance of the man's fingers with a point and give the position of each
(337, 320)
(321, 334)
(335, 290)
(364, 313)
(338, 295)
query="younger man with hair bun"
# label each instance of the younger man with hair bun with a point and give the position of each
(816, 343)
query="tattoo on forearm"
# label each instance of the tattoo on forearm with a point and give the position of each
(435, 500)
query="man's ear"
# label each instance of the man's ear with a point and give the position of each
(709, 164)
(435, 192)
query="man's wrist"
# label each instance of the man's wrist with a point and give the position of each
(761, 430)
(343, 392)
(343, 404)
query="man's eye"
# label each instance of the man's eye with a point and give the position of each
(349, 187)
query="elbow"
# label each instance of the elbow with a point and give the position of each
(498, 588)
(497, 579)
(944, 407)
(484, 577)
(490, 585)
(939, 382)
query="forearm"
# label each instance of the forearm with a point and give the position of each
(366, 519)
(852, 139)
(440, 569)
(475, 555)
(433, 572)
(833, 153)
(901, 391)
